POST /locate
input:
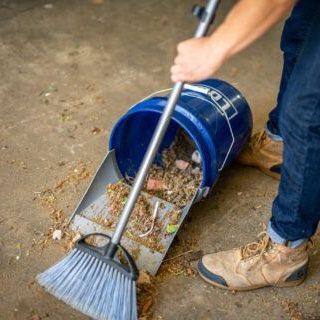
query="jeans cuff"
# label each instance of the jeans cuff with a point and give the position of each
(272, 136)
(279, 240)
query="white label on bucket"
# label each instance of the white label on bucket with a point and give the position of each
(225, 106)
(222, 104)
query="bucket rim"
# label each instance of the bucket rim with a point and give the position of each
(205, 168)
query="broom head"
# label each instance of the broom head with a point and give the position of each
(91, 281)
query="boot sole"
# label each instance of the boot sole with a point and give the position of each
(270, 173)
(266, 171)
(279, 285)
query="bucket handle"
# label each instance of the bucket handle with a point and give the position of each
(200, 89)
(151, 96)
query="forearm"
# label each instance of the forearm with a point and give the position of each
(247, 21)
(200, 58)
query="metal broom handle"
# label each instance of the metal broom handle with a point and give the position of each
(205, 21)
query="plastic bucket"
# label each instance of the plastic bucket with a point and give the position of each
(213, 113)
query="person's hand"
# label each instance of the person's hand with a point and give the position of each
(197, 59)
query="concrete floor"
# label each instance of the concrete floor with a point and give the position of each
(70, 66)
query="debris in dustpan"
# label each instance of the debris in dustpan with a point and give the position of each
(142, 218)
(181, 177)
(179, 174)
(176, 182)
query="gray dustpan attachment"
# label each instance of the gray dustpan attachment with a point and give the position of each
(95, 204)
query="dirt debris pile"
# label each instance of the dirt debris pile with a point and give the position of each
(51, 199)
(175, 181)
(178, 175)
(140, 221)
(143, 226)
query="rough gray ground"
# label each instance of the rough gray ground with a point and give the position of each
(73, 66)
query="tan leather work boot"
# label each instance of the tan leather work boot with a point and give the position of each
(264, 153)
(256, 265)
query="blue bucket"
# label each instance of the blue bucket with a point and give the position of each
(213, 113)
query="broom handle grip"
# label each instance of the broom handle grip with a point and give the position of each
(205, 21)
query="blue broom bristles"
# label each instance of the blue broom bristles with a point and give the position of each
(91, 286)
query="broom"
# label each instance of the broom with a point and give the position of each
(92, 279)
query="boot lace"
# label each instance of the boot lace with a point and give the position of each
(257, 139)
(263, 244)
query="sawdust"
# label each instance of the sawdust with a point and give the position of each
(95, 130)
(146, 295)
(140, 220)
(58, 222)
(292, 310)
(178, 261)
(181, 185)
(75, 175)
(49, 199)
(73, 178)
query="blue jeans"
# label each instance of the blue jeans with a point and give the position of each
(296, 119)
